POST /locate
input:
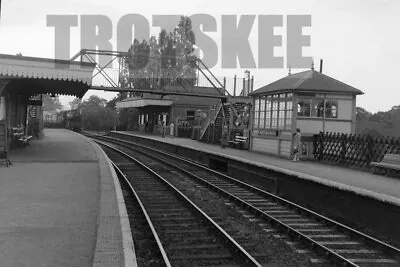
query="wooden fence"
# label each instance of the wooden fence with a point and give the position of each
(353, 150)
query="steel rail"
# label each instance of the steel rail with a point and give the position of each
(391, 250)
(249, 260)
(338, 258)
(144, 211)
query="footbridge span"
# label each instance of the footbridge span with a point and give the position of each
(158, 77)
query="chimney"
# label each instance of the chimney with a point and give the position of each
(321, 62)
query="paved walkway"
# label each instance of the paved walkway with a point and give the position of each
(361, 182)
(60, 206)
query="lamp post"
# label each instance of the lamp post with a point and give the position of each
(247, 72)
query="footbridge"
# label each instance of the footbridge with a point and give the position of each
(196, 79)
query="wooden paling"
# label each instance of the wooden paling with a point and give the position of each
(352, 149)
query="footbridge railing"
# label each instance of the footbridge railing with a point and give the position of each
(117, 74)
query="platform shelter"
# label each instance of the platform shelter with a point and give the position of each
(185, 111)
(22, 79)
(308, 100)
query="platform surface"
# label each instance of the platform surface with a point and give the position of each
(377, 186)
(54, 198)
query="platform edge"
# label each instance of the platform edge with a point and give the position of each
(129, 254)
(340, 186)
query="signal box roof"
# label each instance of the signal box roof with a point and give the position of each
(309, 80)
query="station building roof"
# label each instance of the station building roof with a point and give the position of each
(140, 102)
(32, 75)
(309, 80)
(199, 98)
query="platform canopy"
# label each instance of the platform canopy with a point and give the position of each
(32, 75)
(309, 80)
(140, 102)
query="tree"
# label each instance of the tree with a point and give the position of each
(97, 116)
(76, 103)
(137, 60)
(178, 50)
(51, 103)
(127, 117)
(390, 116)
(362, 114)
(138, 55)
(154, 65)
(166, 56)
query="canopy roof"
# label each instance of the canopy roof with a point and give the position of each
(34, 75)
(140, 102)
(309, 80)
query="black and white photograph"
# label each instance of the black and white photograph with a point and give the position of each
(199, 133)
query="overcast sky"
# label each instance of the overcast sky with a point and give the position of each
(359, 40)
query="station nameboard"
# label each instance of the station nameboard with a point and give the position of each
(33, 102)
(33, 112)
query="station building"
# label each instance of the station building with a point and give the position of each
(186, 110)
(308, 100)
(22, 79)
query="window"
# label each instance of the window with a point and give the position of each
(304, 108)
(274, 119)
(275, 112)
(262, 112)
(289, 110)
(282, 110)
(331, 108)
(256, 112)
(190, 115)
(268, 112)
(317, 108)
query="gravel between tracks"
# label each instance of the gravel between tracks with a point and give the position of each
(278, 252)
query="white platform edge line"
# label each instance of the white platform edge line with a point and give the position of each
(127, 242)
(343, 187)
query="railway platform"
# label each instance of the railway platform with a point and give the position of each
(378, 187)
(61, 205)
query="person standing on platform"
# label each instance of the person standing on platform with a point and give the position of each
(296, 145)
(159, 126)
(162, 129)
(171, 129)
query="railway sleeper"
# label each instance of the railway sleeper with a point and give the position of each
(182, 231)
(201, 256)
(167, 214)
(183, 219)
(324, 236)
(373, 261)
(206, 262)
(189, 247)
(195, 250)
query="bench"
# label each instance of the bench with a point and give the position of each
(24, 140)
(240, 141)
(390, 164)
(20, 138)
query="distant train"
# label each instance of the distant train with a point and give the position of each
(72, 119)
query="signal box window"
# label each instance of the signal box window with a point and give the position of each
(190, 115)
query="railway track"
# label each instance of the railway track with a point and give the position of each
(184, 234)
(332, 240)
